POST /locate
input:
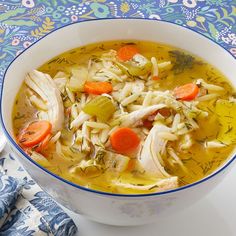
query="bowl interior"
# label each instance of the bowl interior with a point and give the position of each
(79, 34)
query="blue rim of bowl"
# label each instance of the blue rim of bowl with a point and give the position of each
(91, 190)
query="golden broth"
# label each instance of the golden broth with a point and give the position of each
(198, 160)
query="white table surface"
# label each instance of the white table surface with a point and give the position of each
(215, 215)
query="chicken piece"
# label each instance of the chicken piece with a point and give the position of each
(43, 85)
(79, 120)
(159, 186)
(132, 118)
(111, 161)
(86, 168)
(150, 156)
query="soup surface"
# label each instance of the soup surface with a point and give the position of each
(127, 117)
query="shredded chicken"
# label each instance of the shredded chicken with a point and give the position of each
(150, 156)
(132, 118)
(160, 185)
(43, 85)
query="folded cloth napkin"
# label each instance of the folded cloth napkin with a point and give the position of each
(26, 210)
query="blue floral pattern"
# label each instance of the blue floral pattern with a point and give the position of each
(25, 209)
(10, 189)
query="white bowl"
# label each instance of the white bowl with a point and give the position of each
(114, 209)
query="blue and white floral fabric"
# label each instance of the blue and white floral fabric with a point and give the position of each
(26, 210)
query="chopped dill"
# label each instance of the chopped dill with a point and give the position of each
(209, 109)
(154, 186)
(223, 143)
(54, 60)
(101, 47)
(230, 128)
(99, 158)
(188, 125)
(129, 43)
(17, 117)
(114, 164)
(181, 61)
(72, 52)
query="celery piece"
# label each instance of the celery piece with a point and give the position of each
(101, 107)
(137, 66)
(78, 78)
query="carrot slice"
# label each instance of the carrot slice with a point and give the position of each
(124, 140)
(43, 145)
(155, 77)
(34, 133)
(148, 122)
(97, 87)
(186, 92)
(127, 52)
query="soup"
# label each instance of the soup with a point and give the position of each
(127, 117)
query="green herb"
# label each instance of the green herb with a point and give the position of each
(210, 110)
(195, 120)
(54, 60)
(95, 59)
(206, 167)
(114, 164)
(72, 52)
(230, 128)
(154, 186)
(75, 150)
(182, 182)
(223, 143)
(99, 158)
(128, 43)
(188, 125)
(17, 117)
(201, 141)
(64, 97)
(82, 169)
(83, 49)
(101, 47)
(181, 61)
